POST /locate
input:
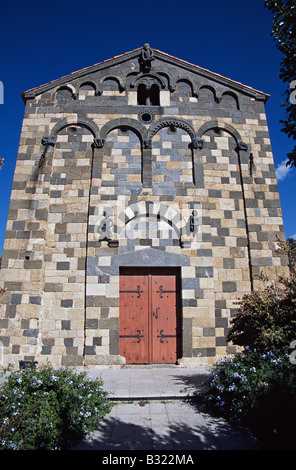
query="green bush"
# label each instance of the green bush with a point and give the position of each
(266, 318)
(49, 408)
(257, 387)
(258, 391)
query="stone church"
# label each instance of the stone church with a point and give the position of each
(144, 206)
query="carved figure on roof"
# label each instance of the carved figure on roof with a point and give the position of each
(146, 57)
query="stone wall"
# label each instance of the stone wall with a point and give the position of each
(102, 183)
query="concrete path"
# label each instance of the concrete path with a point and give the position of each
(153, 410)
(152, 382)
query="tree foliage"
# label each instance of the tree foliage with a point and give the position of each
(284, 33)
(292, 251)
(266, 318)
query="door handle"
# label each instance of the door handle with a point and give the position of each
(155, 314)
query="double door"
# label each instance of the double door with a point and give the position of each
(149, 315)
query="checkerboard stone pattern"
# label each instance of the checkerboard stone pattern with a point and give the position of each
(102, 182)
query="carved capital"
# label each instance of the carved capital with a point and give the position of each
(99, 143)
(197, 143)
(147, 144)
(242, 146)
(49, 140)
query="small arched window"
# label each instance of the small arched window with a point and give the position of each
(229, 100)
(110, 84)
(184, 88)
(64, 94)
(148, 94)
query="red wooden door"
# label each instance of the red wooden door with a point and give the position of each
(164, 318)
(149, 323)
(133, 326)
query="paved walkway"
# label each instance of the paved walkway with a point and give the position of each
(153, 410)
(150, 382)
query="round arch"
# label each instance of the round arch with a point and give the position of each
(172, 122)
(76, 120)
(219, 125)
(128, 123)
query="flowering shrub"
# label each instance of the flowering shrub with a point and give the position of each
(238, 381)
(258, 391)
(49, 408)
(257, 387)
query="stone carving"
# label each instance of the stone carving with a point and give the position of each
(172, 123)
(146, 57)
(242, 146)
(98, 143)
(46, 141)
(197, 143)
(146, 116)
(106, 227)
(147, 144)
(49, 140)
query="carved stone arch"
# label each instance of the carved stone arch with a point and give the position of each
(171, 82)
(147, 76)
(211, 89)
(89, 83)
(68, 122)
(68, 87)
(189, 82)
(173, 122)
(115, 78)
(75, 120)
(232, 95)
(220, 125)
(127, 123)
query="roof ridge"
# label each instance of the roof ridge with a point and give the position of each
(81, 70)
(161, 53)
(211, 72)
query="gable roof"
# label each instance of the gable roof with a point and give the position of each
(31, 93)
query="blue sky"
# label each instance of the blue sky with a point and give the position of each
(42, 41)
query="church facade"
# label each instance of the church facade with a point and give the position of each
(144, 206)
